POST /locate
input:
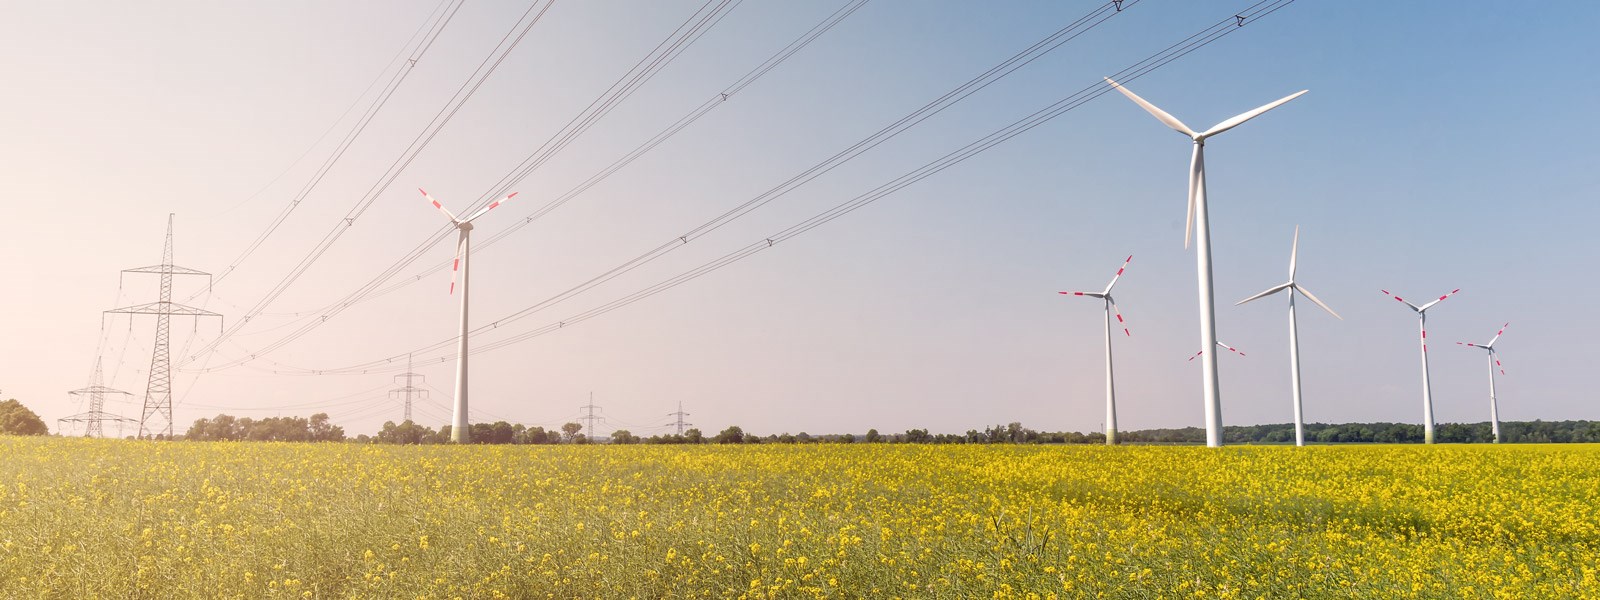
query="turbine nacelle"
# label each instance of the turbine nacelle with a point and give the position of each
(464, 226)
(1294, 252)
(1111, 304)
(1197, 164)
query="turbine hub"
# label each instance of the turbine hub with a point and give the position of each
(464, 226)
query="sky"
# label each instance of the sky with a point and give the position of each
(1440, 147)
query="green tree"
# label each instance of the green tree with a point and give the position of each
(570, 431)
(873, 436)
(732, 435)
(693, 436)
(623, 436)
(16, 419)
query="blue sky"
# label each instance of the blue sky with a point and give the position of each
(1440, 147)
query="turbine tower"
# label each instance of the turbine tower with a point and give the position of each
(1427, 391)
(1494, 365)
(97, 415)
(1110, 307)
(460, 431)
(1294, 337)
(1199, 225)
(158, 392)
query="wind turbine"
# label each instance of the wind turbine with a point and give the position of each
(1427, 392)
(460, 431)
(1199, 224)
(1111, 307)
(1494, 365)
(1219, 345)
(1294, 338)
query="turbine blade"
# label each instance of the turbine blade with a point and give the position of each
(1114, 278)
(1313, 297)
(1197, 167)
(489, 208)
(1162, 115)
(1294, 251)
(1496, 356)
(439, 206)
(1089, 294)
(455, 266)
(1270, 291)
(1236, 121)
(1497, 334)
(1402, 300)
(1124, 324)
(1235, 350)
(1196, 355)
(1441, 299)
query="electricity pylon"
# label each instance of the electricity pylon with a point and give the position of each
(158, 392)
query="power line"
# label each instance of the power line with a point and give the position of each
(647, 67)
(420, 142)
(360, 126)
(993, 74)
(1139, 69)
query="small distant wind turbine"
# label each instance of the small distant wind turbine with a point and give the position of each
(1220, 345)
(460, 431)
(1427, 391)
(1294, 338)
(1199, 224)
(1494, 365)
(1111, 307)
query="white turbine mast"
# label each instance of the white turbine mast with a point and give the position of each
(1110, 308)
(1494, 365)
(1294, 337)
(1199, 224)
(1427, 390)
(460, 430)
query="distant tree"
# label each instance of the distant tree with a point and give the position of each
(693, 436)
(786, 438)
(569, 431)
(732, 435)
(16, 420)
(802, 438)
(873, 436)
(623, 436)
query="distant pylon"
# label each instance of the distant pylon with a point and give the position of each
(97, 415)
(158, 393)
(590, 416)
(680, 415)
(409, 390)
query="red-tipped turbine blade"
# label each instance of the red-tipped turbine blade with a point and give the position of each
(1114, 278)
(1119, 319)
(1196, 355)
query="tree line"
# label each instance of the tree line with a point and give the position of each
(16, 419)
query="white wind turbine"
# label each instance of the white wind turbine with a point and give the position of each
(1199, 225)
(1111, 307)
(1494, 365)
(1427, 391)
(460, 431)
(1294, 338)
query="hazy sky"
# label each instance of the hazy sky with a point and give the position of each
(1442, 146)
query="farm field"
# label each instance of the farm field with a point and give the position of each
(116, 519)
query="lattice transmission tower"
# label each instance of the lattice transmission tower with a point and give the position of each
(157, 414)
(94, 419)
(680, 415)
(408, 389)
(590, 416)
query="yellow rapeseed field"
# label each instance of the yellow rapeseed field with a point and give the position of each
(118, 519)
